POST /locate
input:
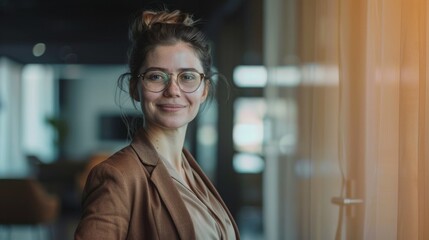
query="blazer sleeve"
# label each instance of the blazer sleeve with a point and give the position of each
(106, 205)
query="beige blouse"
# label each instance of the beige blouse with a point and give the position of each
(208, 216)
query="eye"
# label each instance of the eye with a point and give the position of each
(189, 76)
(155, 76)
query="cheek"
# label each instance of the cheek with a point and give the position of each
(201, 94)
(146, 101)
(197, 99)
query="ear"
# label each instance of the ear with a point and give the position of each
(206, 91)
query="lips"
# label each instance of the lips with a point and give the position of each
(171, 107)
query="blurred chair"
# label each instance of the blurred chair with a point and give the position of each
(26, 202)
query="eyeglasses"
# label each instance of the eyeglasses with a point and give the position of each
(157, 81)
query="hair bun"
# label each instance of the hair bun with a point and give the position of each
(147, 19)
(175, 17)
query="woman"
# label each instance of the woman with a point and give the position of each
(153, 188)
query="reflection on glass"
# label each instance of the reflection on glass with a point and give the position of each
(248, 124)
(250, 76)
(256, 76)
(248, 136)
(248, 163)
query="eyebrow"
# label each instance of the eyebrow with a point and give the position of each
(166, 70)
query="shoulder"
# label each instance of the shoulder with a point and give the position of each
(124, 160)
(124, 166)
(121, 177)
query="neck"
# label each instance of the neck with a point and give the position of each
(168, 143)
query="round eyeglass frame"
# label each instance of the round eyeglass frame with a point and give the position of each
(203, 77)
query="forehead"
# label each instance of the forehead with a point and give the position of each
(173, 57)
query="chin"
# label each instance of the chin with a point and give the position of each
(169, 122)
(170, 125)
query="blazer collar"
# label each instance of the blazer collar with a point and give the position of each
(144, 148)
(161, 178)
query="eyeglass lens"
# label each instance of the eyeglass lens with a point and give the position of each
(157, 81)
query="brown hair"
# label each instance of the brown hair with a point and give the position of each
(150, 29)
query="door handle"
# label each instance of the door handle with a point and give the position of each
(346, 201)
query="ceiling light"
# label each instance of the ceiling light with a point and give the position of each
(39, 49)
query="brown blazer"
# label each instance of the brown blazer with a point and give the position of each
(131, 196)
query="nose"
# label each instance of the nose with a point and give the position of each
(173, 89)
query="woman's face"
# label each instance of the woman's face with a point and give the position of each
(172, 108)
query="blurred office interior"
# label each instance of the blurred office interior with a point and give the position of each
(323, 133)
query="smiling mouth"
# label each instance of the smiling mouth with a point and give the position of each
(171, 107)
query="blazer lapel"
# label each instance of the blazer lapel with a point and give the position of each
(173, 201)
(211, 188)
(161, 178)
